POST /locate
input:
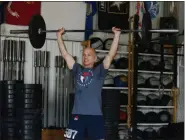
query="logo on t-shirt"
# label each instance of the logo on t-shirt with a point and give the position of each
(85, 78)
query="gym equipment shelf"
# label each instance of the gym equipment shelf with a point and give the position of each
(143, 89)
(153, 107)
(140, 71)
(142, 54)
(118, 88)
(146, 124)
(172, 108)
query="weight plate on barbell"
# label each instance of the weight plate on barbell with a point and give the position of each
(37, 40)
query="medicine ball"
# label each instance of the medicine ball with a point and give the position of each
(145, 65)
(123, 116)
(165, 99)
(153, 100)
(123, 134)
(141, 81)
(155, 65)
(152, 117)
(164, 117)
(140, 117)
(168, 65)
(109, 82)
(96, 43)
(156, 48)
(107, 43)
(141, 99)
(152, 82)
(149, 134)
(121, 63)
(140, 59)
(121, 81)
(167, 81)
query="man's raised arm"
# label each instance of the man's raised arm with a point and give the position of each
(114, 46)
(68, 58)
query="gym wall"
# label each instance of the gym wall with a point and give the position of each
(71, 15)
(124, 37)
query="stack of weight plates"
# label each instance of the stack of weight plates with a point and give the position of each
(29, 111)
(111, 112)
(9, 123)
(1, 91)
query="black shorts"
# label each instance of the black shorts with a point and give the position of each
(79, 123)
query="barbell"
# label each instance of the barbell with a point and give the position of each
(37, 31)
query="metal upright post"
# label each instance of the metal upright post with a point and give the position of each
(134, 109)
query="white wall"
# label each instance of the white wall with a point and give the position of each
(70, 15)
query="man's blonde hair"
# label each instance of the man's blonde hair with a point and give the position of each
(87, 44)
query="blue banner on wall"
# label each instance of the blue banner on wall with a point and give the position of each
(89, 19)
(153, 8)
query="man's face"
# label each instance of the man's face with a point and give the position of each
(89, 57)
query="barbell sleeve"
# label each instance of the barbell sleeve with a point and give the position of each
(18, 31)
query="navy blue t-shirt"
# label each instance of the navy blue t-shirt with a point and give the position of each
(88, 86)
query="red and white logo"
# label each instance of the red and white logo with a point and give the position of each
(76, 118)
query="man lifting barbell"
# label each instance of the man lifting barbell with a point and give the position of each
(87, 114)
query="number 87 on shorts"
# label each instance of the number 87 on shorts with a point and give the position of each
(70, 134)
